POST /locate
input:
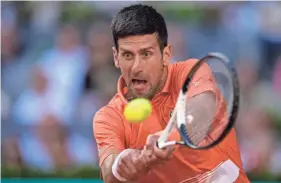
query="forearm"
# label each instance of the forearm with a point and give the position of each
(122, 167)
(106, 172)
(118, 163)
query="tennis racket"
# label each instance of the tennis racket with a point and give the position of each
(204, 119)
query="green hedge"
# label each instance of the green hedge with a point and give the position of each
(90, 172)
(82, 172)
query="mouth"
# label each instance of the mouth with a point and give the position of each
(139, 84)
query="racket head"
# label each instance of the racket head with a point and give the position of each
(232, 106)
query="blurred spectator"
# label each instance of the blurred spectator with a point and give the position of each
(11, 47)
(45, 16)
(50, 102)
(50, 145)
(255, 125)
(100, 86)
(101, 63)
(257, 139)
(5, 106)
(177, 39)
(11, 155)
(270, 16)
(235, 19)
(277, 77)
(58, 82)
(12, 58)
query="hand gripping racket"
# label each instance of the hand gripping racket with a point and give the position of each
(206, 123)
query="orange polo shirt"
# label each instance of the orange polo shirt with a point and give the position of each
(113, 133)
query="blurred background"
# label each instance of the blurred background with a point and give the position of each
(57, 71)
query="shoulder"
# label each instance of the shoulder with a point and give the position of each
(179, 70)
(182, 65)
(110, 114)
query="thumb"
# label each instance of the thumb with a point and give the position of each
(150, 144)
(151, 141)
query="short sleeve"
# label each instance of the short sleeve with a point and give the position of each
(109, 133)
(202, 81)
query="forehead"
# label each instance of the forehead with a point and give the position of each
(138, 42)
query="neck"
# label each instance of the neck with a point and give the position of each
(162, 80)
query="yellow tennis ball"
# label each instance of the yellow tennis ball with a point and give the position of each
(138, 110)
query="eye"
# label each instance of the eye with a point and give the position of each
(128, 56)
(147, 54)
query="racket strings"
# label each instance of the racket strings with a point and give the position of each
(196, 130)
(200, 131)
(203, 131)
(211, 119)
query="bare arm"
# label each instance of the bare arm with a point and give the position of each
(106, 172)
(130, 165)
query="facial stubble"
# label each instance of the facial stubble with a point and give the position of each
(152, 91)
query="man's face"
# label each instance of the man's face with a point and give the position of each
(142, 63)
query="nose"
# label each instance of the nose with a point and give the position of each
(137, 67)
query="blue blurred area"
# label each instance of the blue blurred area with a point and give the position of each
(57, 71)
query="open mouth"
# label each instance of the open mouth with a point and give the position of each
(138, 83)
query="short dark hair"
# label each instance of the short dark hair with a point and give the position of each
(139, 19)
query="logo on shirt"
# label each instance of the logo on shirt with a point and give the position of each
(196, 83)
(171, 113)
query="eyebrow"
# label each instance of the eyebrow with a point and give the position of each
(124, 50)
(142, 49)
(147, 48)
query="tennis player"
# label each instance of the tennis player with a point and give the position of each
(127, 151)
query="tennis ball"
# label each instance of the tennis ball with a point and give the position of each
(137, 110)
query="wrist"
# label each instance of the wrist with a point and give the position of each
(115, 166)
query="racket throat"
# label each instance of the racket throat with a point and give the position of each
(160, 144)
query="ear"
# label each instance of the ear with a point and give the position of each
(167, 54)
(115, 57)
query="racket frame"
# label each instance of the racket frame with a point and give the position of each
(174, 120)
(178, 116)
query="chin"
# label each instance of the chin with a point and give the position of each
(140, 95)
(146, 95)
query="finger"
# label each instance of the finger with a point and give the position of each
(148, 149)
(148, 159)
(127, 169)
(132, 170)
(162, 161)
(153, 161)
(170, 151)
(139, 163)
(151, 140)
(123, 171)
(150, 144)
(165, 153)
